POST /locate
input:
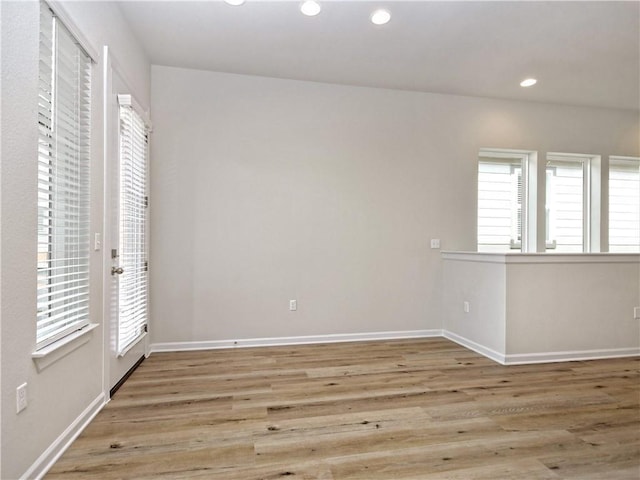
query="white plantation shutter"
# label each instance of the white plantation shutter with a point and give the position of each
(63, 182)
(566, 203)
(500, 195)
(132, 289)
(516, 208)
(624, 204)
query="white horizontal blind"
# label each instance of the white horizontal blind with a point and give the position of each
(500, 195)
(132, 285)
(624, 204)
(63, 182)
(565, 203)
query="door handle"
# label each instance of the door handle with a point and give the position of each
(117, 270)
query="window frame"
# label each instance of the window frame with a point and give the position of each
(622, 159)
(591, 199)
(527, 162)
(64, 144)
(535, 227)
(585, 164)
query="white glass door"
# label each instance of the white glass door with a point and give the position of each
(126, 233)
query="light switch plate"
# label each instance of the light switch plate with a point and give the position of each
(435, 243)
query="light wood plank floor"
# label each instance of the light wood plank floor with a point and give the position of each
(411, 409)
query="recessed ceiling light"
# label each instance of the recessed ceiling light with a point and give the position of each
(235, 3)
(380, 17)
(528, 82)
(310, 8)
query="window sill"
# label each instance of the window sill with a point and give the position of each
(52, 353)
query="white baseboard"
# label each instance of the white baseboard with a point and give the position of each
(476, 347)
(571, 356)
(60, 445)
(281, 341)
(503, 359)
(543, 357)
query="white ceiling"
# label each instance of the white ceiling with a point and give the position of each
(582, 53)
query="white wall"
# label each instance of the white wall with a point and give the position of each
(264, 190)
(543, 307)
(60, 393)
(569, 306)
(483, 285)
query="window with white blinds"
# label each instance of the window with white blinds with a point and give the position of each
(63, 182)
(132, 288)
(500, 202)
(566, 205)
(624, 204)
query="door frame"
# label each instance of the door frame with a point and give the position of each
(116, 368)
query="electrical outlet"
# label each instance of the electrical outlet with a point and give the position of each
(465, 306)
(293, 305)
(21, 398)
(636, 313)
